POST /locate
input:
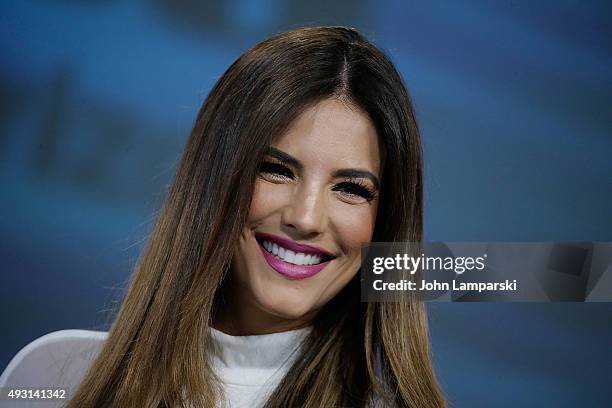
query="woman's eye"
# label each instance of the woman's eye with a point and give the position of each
(355, 190)
(276, 170)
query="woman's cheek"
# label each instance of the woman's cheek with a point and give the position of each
(267, 198)
(356, 224)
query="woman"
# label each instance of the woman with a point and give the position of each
(306, 148)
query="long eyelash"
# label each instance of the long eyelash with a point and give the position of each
(275, 168)
(357, 187)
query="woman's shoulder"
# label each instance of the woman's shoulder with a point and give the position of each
(56, 360)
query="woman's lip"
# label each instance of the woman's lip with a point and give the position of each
(289, 270)
(292, 245)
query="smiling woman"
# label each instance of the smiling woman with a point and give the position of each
(248, 291)
(317, 185)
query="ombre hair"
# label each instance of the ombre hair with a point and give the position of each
(156, 354)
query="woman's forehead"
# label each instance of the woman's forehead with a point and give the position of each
(335, 133)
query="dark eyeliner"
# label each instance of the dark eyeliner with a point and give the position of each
(355, 188)
(275, 168)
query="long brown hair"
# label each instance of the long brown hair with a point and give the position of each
(156, 352)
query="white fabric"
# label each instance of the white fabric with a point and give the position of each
(55, 360)
(249, 366)
(252, 366)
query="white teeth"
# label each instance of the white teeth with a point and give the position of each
(287, 255)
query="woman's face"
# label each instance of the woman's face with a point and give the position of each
(314, 204)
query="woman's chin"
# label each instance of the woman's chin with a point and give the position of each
(286, 308)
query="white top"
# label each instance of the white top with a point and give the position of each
(53, 361)
(250, 367)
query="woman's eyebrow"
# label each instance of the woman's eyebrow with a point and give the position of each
(348, 173)
(285, 158)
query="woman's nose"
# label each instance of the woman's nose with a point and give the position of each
(306, 212)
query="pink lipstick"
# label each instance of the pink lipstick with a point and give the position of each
(287, 255)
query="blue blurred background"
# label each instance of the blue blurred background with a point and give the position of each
(514, 100)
